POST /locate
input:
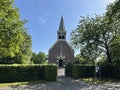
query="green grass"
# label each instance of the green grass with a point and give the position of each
(21, 83)
(95, 80)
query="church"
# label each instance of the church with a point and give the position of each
(61, 52)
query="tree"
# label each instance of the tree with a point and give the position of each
(39, 58)
(113, 11)
(13, 34)
(94, 36)
(101, 61)
(115, 51)
(81, 60)
(33, 58)
(25, 54)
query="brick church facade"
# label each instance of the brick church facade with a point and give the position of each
(61, 52)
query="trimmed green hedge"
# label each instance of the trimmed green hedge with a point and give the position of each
(47, 73)
(110, 71)
(15, 73)
(75, 71)
(78, 71)
(68, 69)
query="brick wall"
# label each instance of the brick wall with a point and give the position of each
(61, 46)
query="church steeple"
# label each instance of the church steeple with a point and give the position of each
(61, 32)
(62, 26)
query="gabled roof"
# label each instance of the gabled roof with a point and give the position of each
(59, 41)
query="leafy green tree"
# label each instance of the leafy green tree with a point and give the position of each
(115, 51)
(13, 35)
(25, 54)
(81, 60)
(94, 36)
(39, 58)
(101, 61)
(33, 58)
(113, 11)
(99, 35)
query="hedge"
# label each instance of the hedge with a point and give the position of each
(75, 71)
(68, 69)
(50, 73)
(110, 71)
(79, 71)
(15, 73)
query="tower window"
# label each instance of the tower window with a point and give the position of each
(63, 37)
(59, 37)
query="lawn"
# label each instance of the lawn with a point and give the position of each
(21, 83)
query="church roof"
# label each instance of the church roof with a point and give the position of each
(62, 26)
(61, 41)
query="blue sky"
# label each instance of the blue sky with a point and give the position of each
(44, 18)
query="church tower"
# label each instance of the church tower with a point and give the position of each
(61, 52)
(61, 32)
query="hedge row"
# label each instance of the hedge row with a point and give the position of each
(68, 69)
(110, 71)
(105, 72)
(15, 73)
(78, 71)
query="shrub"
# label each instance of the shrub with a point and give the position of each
(68, 69)
(79, 71)
(47, 72)
(87, 71)
(14, 73)
(82, 71)
(110, 71)
(75, 71)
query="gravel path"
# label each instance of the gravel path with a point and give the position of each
(65, 83)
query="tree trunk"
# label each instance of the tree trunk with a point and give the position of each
(108, 55)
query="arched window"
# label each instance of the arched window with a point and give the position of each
(59, 37)
(63, 37)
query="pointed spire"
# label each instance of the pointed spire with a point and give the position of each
(62, 26)
(61, 32)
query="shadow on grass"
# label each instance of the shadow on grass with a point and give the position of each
(96, 80)
(21, 83)
(64, 83)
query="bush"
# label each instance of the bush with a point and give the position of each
(87, 71)
(79, 71)
(83, 71)
(68, 69)
(47, 72)
(110, 71)
(15, 73)
(75, 71)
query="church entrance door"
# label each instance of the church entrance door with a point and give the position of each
(60, 63)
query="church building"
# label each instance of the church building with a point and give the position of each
(61, 52)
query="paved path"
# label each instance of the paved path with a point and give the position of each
(61, 72)
(65, 83)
